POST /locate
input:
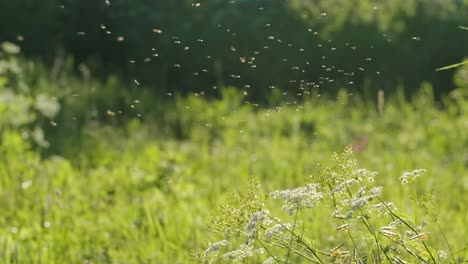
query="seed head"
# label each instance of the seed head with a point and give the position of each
(216, 246)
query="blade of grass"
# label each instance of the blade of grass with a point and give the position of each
(452, 66)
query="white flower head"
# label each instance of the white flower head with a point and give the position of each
(48, 106)
(216, 246)
(375, 191)
(365, 173)
(342, 186)
(411, 176)
(257, 218)
(306, 196)
(277, 229)
(272, 260)
(243, 252)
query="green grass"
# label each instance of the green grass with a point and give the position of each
(130, 189)
(134, 194)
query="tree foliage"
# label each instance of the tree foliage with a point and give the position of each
(379, 44)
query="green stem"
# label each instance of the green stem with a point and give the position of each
(293, 250)
(267, 250)
(446, 241)
(300, 240)
(371, 230)
(409, 226)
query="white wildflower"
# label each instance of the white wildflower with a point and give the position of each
(361, 200)
(272, 260)
(271, 232)
(337, 215)
(383, 206)
(411, 176)
(48, 106)
(375, 191)
(395, 223)
(442, 254)
(366, 173)
(342, 186)
(336, 212)
(242, 253)
(300, 197)
(361, 191)
(257, 218)
(216, 246)
(358, 203)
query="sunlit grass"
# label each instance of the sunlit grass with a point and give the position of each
(129, 195)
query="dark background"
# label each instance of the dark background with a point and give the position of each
(364, 46)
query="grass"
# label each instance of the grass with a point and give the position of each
(367, 228)
(144, 190)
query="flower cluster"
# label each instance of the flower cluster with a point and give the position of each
(359, 211)
(257, 218)
(359, 201)
(216, 246)
(306, 196)
(411, 176)
(243, 252)
(277, 229)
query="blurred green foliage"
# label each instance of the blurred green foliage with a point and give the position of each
(379, 44)
(138, 173)
(129, 193)
(55, 108)
(21, 111)
(139, 188)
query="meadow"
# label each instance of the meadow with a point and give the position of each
(82, 182)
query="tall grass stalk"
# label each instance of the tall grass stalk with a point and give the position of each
(376, 230)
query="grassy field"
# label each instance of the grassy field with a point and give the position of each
(143, 191)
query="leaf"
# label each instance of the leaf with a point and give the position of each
(452, 66)
(3, 81)
(10, 48)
